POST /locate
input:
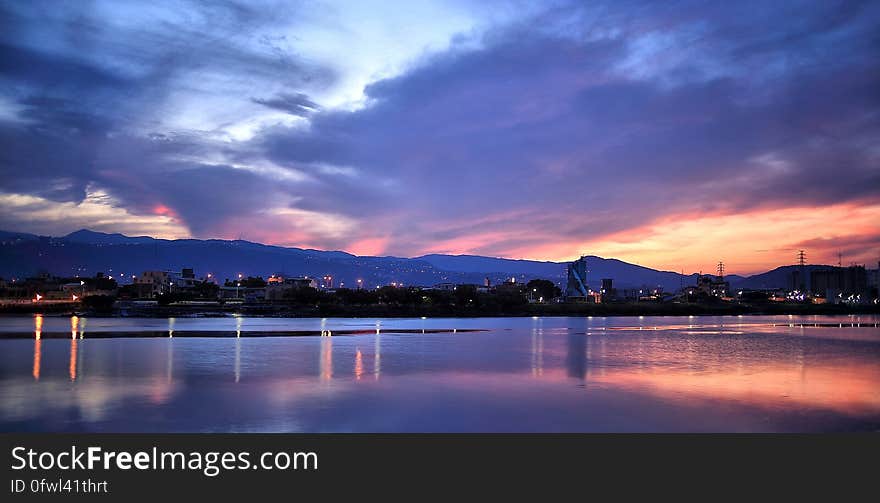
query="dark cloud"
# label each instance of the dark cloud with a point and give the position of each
(295, 104)
(581, 121)
(86, 98)
(773, 112)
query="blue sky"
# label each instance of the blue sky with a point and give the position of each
(672, 134)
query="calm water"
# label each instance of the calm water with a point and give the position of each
(521, 374)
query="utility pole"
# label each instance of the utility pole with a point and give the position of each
(802, 261)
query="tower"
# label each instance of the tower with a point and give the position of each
(802, 274)
(576, 286)
(720, 270)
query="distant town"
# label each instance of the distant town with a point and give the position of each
(188, 291)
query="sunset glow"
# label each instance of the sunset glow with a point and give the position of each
(542, 133)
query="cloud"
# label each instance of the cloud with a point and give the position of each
(698, 241)
(567, 127)
(97, 211)
(143, 104)
(553, 124)
(295, 104)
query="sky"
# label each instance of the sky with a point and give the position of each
(669, 134)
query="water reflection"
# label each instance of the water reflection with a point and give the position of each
(237, 359)
(37, 357)
(826, 387)
(537, 352)
(325, 332)
(74, 332)
(358, 364)
(377, 356)
(72, 366)
(169, 361)
(38, 332)
(576, 355)
(686, 379)
(326, 359)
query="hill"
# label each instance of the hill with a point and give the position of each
(86, 252)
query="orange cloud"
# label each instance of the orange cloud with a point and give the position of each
(747, 242)
(165, 211)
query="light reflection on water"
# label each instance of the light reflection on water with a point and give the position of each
(521, 374)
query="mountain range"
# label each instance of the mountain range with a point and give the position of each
(86, 252)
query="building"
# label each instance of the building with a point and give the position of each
(874, 282)
(714, 286)
(840, 282)
(576, 285)
(186, 280)
(607, 293)
(798, 281)
(509, 287)
(709, 285)
(277, 287)
(149, 284)
(245, 293)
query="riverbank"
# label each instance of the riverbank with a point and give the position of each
(410, 311)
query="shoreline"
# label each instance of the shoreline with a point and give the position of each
(678, 311)
(232, 334)
(311, 332)
(392, 311)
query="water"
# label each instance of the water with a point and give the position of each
(727, 374)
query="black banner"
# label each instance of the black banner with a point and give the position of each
(112, 467)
